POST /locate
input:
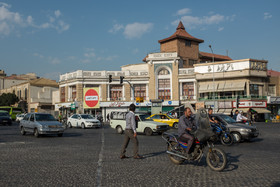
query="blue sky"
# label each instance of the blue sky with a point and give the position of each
(51, 37)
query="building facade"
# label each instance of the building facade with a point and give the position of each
(180, 74)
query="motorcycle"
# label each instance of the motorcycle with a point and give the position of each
(222, 134)
(203, 145)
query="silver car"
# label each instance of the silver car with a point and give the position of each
(239, 131)
(39, 124)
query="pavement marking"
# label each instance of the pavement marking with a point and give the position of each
(100, 160)
(5, 143)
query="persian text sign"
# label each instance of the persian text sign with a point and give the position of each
(91, 97)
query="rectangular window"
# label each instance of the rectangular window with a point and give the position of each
(192, 62)
(73, 92)
(164, 89)
(188, 43)
(188, 90)
(140, 91)
(62, 94)
(254, 90)
(115, 92)
(271, 90)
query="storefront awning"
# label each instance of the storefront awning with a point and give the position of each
(204, 88)
(231, 86)
(262, 110)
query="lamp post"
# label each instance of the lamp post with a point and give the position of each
(213, 78)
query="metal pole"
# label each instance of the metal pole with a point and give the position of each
(213, 78)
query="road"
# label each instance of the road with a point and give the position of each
(90, 157)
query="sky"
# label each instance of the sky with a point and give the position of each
(51, 37)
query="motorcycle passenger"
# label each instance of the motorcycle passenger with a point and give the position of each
(185, 126)
(240, 117)
(235, 115)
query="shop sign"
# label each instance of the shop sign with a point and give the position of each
(250, 104)
(225, 104)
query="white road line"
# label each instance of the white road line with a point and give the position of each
(100, 160)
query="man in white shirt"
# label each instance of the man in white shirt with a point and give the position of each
(240, 117)
(130, 133)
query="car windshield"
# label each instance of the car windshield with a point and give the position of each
(4, 114)
(170, 116)
(228, 119)
(144, 118)
(44, 117)
(86, 116)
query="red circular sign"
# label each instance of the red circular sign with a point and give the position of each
(91, 98)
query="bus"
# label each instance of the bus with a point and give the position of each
(12, 111)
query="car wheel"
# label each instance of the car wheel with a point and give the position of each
(119, 130)
(22, 131)
(148, 131)
(83, 126)
(69, 125)
(175, 125)
(36, 133)
(237, 137)
(60, 135)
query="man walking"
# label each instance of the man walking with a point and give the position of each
(130, 133)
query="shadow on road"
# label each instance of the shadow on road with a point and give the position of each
(232, 162)
(153, 154)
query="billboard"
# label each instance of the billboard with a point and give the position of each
(91, 98)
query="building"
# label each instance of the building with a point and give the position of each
(180, 74)
(273, 98)
(34, 95)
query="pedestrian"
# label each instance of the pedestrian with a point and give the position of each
(108, 117)
(130, 133)
(249, 116)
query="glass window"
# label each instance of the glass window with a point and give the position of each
(271, 90)
(163, 72)
(26, 117)
(254, 90)
(44, 117)
(115, 92)
(192, 62)
(73, 92)
(140, 91)
(62, 94)
(32, 117)
(75, 116)
(188, 89)
(188, 43)
(164, 89)
(155, 117)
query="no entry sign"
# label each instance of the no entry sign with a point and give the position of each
(91, 97)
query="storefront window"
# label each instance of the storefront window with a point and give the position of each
(188, 90)
(140, 91)
(116, 92)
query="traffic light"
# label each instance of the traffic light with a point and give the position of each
(237, 101)
(110, 78)
(121, 79)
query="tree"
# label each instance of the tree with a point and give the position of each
(8, 99)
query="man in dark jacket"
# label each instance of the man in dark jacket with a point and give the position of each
(185, 126)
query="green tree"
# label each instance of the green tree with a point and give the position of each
(8, 99)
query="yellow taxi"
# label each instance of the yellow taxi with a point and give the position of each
(164, 118)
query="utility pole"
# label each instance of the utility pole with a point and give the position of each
(213, 78)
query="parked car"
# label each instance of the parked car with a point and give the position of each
(19, 117)
(165, 118)
(5, 118)
(144, 125)
(83, 121)
(239, 131)
(39, 124)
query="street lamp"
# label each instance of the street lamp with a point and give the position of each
(213, 78)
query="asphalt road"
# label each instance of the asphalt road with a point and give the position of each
(90, 157)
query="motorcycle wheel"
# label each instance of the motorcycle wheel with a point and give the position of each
(176, 160)
(227, 140)
(216, 159)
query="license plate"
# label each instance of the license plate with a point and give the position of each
(5, 121)
(52, 126)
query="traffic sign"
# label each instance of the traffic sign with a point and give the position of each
(91, 98)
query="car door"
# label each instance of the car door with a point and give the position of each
(79, 120)
(31, 123)
(25, 122)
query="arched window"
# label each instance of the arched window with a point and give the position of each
(164, 84)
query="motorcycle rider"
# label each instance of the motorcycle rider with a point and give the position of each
(185, 126)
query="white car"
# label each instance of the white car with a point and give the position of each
(19, 117)
(83, 121)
